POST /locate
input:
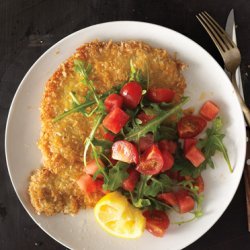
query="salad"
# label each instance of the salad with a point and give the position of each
(150, 158)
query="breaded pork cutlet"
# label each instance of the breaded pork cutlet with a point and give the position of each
(53, 187)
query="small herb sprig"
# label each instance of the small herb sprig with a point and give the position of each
(214, 142)
(137, 75)
(84, 69)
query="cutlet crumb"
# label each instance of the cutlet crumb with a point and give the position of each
(53, 187)
(54, 193)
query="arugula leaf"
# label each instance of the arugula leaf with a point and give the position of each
(214, 142)
(141, 185)
(77, 108)
(152, 126)
(159, 205)
(166, 132)
(133, 121)
(116, 176)
(160, 185)
(82, 68)
(141, 203)
(136, 75)
(147, 188)
(91, 98)
(104, 144)
(90, 138)
(74, 99)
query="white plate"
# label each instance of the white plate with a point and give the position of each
(204, 77)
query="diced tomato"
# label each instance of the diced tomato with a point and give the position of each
(188, 143)
(130, 183)
(168, 145)
(115, 120)
(195, 156)
(88, 185)
(146, 142)
(190, 125)
(157, 222)
(109, 137)
(132, 93)
(209, 110)
(145, 118)
(160, 95)
(169, 198)
(113, 101)
(185, 201)
(151, 161)
(92, 167)
(125, 151)
(199, 183)
(168, 160)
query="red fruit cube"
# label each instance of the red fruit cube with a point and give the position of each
(113, 101)
(209, 110)
(115, 120)
(188, 143)
(195, 156)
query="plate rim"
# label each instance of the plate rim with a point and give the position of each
(10, 114)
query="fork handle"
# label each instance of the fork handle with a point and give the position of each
(243, 105)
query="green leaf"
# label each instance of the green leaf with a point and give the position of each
(77, 108)
(158, 185)
(88, 103)
(82, 68)
(116, 176)
(141, 203)
(221, 147)
(159, 205)
(88, 141)
(104, 144)
(74, 99)
(151, 126)
(141, 185)
(212, 143)
(136, 75)
(166, 132)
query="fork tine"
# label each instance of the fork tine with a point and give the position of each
(213, 35)
(223, 32)
(214, 30)
(217, 31)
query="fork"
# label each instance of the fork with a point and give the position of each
(229, 53)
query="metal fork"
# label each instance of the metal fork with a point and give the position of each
(229, 52)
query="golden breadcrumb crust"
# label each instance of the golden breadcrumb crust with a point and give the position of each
(53, 187)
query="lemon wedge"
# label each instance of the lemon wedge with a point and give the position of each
(118, 217)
